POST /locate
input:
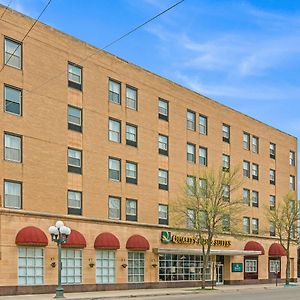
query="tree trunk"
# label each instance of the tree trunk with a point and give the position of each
(288, 269)
(204, 271)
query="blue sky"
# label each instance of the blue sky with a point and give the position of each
(244, 54)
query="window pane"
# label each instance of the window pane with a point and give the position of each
(74, 73)
(12, 147)
(114, 131)
(114, 208)
(114, 91)
(74, 199)
(74, 115)
(12, 194)
(13, 52)
(131, 133)
(163, 107)
(74, 158)
(12, 100)
(131, 207)
(131, 98)
(114, 169)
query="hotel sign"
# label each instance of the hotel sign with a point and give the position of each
(167, 237)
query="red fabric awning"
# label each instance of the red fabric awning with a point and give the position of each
(106, 240)
(276, 250)
(254, 246)
(31, 236)
(75, 240)
(137, 242)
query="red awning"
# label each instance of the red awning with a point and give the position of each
(254, 246)
(106, 240)
(75, 240)
(137, 242)
(31, 236)
(276, 250)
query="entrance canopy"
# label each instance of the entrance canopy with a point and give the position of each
(31, 236)
(254, 246)
(276, 250)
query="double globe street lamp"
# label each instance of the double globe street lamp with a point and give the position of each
(59, 235)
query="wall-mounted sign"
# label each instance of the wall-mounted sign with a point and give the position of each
(167, 237)
(237, 267)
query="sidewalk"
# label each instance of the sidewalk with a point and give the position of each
(144, 292)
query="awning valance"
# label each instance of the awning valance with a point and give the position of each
(276, 250)
(75, 240)
(254, 246)
(106, 240)
(31, 236)
(137, 242)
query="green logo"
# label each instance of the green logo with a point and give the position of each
(166, 237)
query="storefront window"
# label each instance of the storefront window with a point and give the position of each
(250, 266)
(274, 265)
(136, 269)
(71, 266)
(105, 266)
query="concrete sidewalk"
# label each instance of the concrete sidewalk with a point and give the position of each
(145, 292)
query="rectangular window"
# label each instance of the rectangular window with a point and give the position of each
(203, 156)
(292, 158)
(226, 133)
(272, 150)
(114, 130)
(114, 208)
(250, 265)
(163, 145)
(131, 210)
(190, 221)
(246, 197)
(255, 226)
(74, 161)
(272, 200)
(272, 229)
(191, 120)
(272, 176)
(105, 266)
(13, 100)
(163, 179)
(292, 183)
(71, 266)
(12, 194)
(191, 152)
(74, 203)
(163, 109)
(226, 192)
(131, 172)
(74, 76)
(203, 124)
(12, 53)
(255, 171)
(30, 265)
(246, 225)
(136, 266)
(74, 118)
(131, 135)
(226, 223)
(255, 144)
(131, 97)
(12, 147)
(163, 214)
(246, 141)
(114, 91)
(203, 186)
(114, 169)
(246, 169)
(191, 184)
(226, 162)
(255, 199)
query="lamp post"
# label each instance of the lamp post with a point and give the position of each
(59, 235)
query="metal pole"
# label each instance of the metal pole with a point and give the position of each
(59, 290)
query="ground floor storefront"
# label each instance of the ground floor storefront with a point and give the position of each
(110, 255)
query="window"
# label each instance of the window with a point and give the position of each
(131, 135)
(163, 179)
(74, 118)
(131, 210)
(163, 144)
(226, 223)
(163, 109)
(272, 176)
(114, 91)
(226, 162)
(136, 266)
(274, 266)
(246, 225)
(292, 158)
(254, 226)
(272, 229)
(226, 192)
(191, 120)
(272, 201)
(255, 171)
(114, 130)
(131, 172)
(255, 144)
(292, 183)
(114, 208)
(255, 198)
(190, 222)
(226, 133)
(74, 203)
(105, 266)
(190, 182)
(74, 161)
(246, 141)
(272, 150)
(74, 76)
(30, 265)
(131, 97)
(246, 197)
(203, 187)
(163, 214)
(12, 147)
(114, 169)
(190, 153)
(13, 100)
(71, 266)
(12, 53)
(202, 156)
(12, 194)
(250, 265)
(246, 169)
(203, 124)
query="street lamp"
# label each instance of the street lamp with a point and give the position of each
(59, 235)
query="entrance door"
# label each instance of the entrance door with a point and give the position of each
(219, 273)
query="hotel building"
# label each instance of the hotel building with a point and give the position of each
(106, 146)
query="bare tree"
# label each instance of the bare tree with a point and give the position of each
(284, 219)
(209, 205)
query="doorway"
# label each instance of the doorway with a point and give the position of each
(219, 269)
